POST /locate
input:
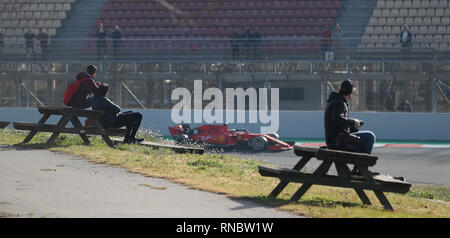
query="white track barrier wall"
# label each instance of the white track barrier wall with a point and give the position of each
(298, 124)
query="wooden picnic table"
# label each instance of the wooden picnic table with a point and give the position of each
(367, 181)
(72, 115)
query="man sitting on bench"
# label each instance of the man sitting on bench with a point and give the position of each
(113, 117)
(341, 131)
(87, 86)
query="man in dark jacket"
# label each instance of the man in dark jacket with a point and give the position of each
(1, 41)
(234, 43)
(43, 41)
(248, 42)
(405, 39)
(114, 118)
(341, 131)
(117, 39)
(101, 41)
(88, 86)
(256, 36)
(29, 42)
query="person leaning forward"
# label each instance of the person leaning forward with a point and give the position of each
(341, 131)
(87, 87)
(113, 117)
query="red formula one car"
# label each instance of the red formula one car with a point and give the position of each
(220, 135)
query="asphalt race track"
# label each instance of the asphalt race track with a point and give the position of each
(417, 165)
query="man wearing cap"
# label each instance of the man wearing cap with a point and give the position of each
(341, 131)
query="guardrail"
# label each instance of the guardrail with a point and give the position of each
(268, 49)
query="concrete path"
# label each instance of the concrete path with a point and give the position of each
(39, 183)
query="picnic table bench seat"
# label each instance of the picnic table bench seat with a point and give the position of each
(379, 183)
(69, 130)
(3, 124)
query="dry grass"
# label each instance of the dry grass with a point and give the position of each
(237, 177)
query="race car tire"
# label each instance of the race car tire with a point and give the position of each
(259, 143)
(181, 138)
(274, 135)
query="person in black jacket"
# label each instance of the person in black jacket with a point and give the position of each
(113, 117)
(341, 131)
(101, 41)
(234, 43)
(29, 42)
(1, 41)
(405, 39)
(117, 39)
(256, 38)
(248, 42)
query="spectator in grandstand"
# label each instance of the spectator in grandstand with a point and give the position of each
(43, 41)
(113, 117)
(338, 40)
(1, 41)
(326, 39)
(390, 105)
(234, 43)
(29, 42)
(87, 86)
(101, 41)
(247, 42)
(117, 39)
(341, 131)
(256, 40)
(404, 106)
(406, 39)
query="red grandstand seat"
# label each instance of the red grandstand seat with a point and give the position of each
(332, 13)
(251, 22)
(315, 12)
(277, 4)
(251, 5)
(259, 5)
(336, 4)
(272, 13)
(285, 21)
(323, 13)
(289, 13)
(259, 21)
(268, 5)
(242, 4)
(310, 4)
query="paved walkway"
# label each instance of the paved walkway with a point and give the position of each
(39, 183)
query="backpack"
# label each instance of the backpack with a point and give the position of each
(71, 90)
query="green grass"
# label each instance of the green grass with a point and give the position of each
(239, 178)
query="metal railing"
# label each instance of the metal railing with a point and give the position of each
(169, 49)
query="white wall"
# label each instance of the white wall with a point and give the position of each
(299, 124)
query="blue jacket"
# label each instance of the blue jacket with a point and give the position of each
(111, 110)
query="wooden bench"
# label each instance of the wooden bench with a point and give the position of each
(367, 181)
(69, 115)
(4, 124)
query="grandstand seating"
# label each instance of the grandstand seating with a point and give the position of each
(16, 16)
(210, 19)
(428, 21)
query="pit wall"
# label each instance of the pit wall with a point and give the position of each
(296, 124)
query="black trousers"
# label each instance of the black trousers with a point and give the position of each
(132, 120)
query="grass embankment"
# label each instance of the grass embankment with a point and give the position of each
(237, 177)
